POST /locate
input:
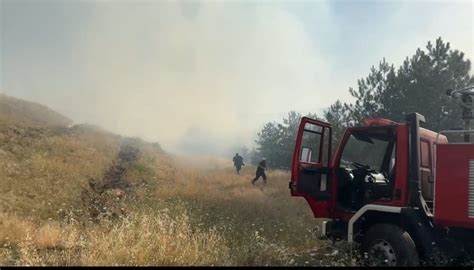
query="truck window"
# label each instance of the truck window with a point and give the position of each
(326, 145)
(311, 143)
(367, 148)
(427, 187)
(376, 148)
(425, 154)
(364, 152)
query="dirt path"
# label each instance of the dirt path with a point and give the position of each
(105, 198)
(114, 178)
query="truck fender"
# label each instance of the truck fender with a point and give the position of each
(411, 220)
(362, 211)
(420, 229)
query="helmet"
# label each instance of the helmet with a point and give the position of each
(264, 158)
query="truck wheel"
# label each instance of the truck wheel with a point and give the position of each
(388, 245)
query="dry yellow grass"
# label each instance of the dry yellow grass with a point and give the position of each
(213, 216)
(173, 211)
(44, 173)
(155, 239)
(13, 230)
(20, 112)
(146, 239)
(50, 235)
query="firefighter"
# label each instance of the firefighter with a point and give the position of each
(238, 162)
(262, 166)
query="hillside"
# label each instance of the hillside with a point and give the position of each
(15, 111)
(83, 196)
(44, 163)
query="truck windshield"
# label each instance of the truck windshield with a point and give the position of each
(367, 149)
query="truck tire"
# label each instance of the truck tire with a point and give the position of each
(388, 245)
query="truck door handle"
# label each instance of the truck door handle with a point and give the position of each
(292, 186)
(430, 179)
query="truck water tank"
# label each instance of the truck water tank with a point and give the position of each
(454, 185)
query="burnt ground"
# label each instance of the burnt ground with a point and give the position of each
(114, 178)
(106, 197)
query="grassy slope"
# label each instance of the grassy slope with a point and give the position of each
(15, 111)
(175, 211)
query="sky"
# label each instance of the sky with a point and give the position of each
(202, 77)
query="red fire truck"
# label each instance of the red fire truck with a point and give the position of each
(402, 192)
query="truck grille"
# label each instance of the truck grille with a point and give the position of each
(471, 189)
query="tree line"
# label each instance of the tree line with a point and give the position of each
(418, 85)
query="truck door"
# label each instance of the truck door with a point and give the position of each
(310, 175)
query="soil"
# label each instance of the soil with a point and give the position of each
(105, 198)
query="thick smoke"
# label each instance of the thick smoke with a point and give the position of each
(200, 76)
(197, 77)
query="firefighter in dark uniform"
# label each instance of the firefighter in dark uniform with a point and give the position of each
(238, 162)
(262, 166)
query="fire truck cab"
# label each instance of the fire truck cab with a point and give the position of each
(400, 191)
